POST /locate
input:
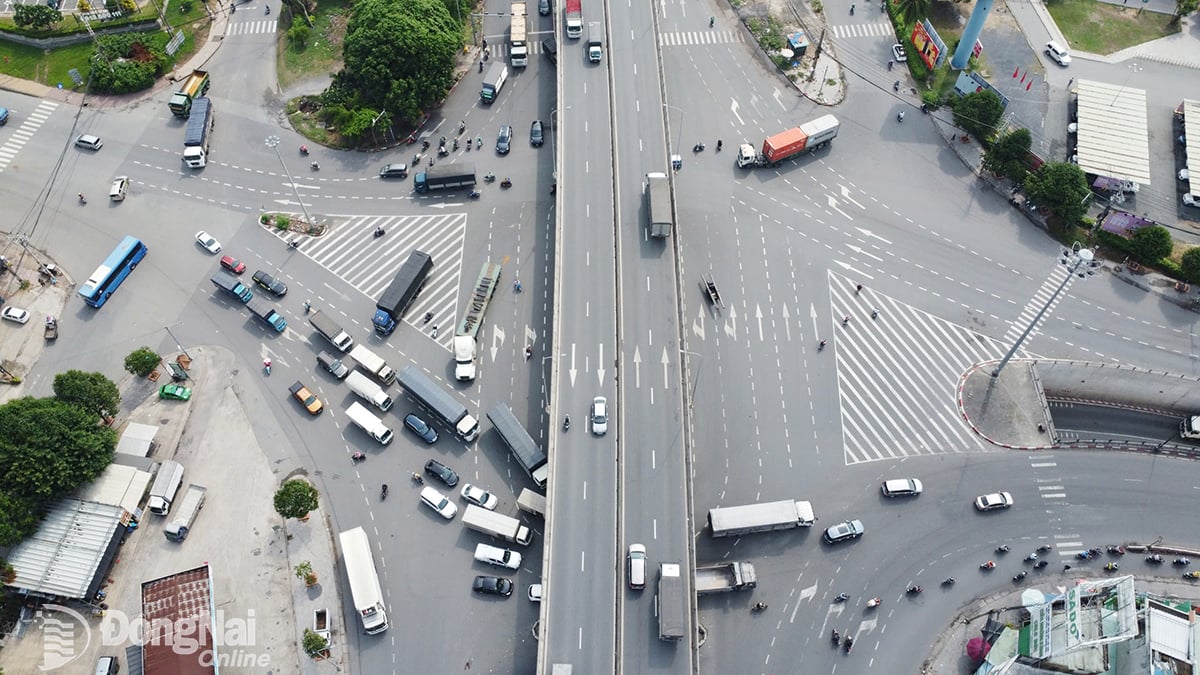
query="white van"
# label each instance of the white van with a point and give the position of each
(369, 423)
(500, 557)
(166, 484)
(119, 187)
(637, 566)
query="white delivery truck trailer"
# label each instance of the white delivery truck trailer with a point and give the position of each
(531, 502)
(524, 449)
(166, 485)
(729, 521)
(373, 364)
(440, 402)
(330, 329)
(673, 607)
(185, 515)
(496, 525)
(364, 419)
(369, 391)
(364, 580)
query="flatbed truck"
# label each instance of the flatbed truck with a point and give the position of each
(725, 577)
(466, 346)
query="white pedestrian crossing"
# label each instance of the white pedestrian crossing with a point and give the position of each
(368, 263)
(898, 376)
(862, 30)
(699, 37)
(30, 123)
(264, 26)
(1049, 287)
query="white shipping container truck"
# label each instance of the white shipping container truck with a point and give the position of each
(366, 389)
(364, 580)
(364, 419)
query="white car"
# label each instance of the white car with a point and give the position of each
(209, 243)
(898, 53)
(599, 416)
(477, 495)
(1058, 53)
(902, 487)
(1183, 175)
(15, 314)
(438, 502)
(89, 141)
(995, 500)
(535, 593)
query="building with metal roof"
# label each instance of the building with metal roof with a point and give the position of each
(179, 609)
(1113, 136)
(1190, 111)
(71, 553)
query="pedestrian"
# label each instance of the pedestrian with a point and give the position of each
(858, 289)
(485, 43)
(874, 314)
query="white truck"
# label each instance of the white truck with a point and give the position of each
(725, 577)
(673, 606)
(1190, 427)
(185, 515)
(496, 525)
(330, 329)
(658, 200)
(166, 484)
(595, 42)
(531, 502)
(369, 391)
(364, 580)
(519, 26)
(196, 134)
(466, 336)
(373, 364)
(729, 521)
(364, 419)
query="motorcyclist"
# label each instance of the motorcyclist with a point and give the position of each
(914, 589)
(1002, 549)
(719, 143)
(383, 491)
(900, 116)
(528, 352)
(82, 199)
(821, 344)
(315, 166)
(358, 456)
(760, 606)
(566, 422)
(304, 149)
(268, 9)
(307, 306)
(841, 597)
(379, 232)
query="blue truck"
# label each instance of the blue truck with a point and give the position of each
(401, 292)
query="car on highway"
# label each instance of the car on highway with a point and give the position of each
(599, 416)
(269, 283)
(207, 241)
(15, 314)
(233, 264)
(993, 501)
(898, 53)
(89, 141)
(306, 398)
(438, 502)
(504, 139)
(119, 187)
(851, 529)
(480, 497)
(396, 170)
(441, 472)
(635, 566)
(492, 586)
(335, 366)
(550, 49)
(418, 426)
(535, 593)
(174, 392)
(902, 487)
(536, 136)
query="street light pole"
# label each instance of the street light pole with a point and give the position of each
(679, 133)
(177, 345)
(273, 143)
(1078, 257)
(692, 395)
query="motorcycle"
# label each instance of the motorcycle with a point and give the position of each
(268, 10)
(1116, 549)
(1003, 549)
(489, 178)
(1084, 555)
(478, 142)
(873, 603)
(849, 644)
(304, 150)
(267, 366)
(841, 597)
(383, 492)
(1111, 567)
(900, 116)
(528, 353)
(566, 423)
(418, 478)
(1040, 564)
(295, 243)
(379, 232)
(443, 152)
(1021, 575)
(987, 565)
(758, 607)
(896, 85)
(1045, 547)
(1194, 574)
(821, 345)
(1031, 557)
(1155, 559)
(914, 590)
(456, 144)
(1183, 562)
(506, 183)
(357, 457)
(307, 306)
(315, 166)
(699, 147)
(473, 194)
(836, 638)
(428, 317)
(424, 145)
(948, 581)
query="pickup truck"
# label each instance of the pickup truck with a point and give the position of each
(306, 398)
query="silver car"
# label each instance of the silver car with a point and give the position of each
(599, 416)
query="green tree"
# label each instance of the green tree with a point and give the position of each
(1184, 7)
(142, 361)
(299, 35)
(1007, 155)
(296, 499)
(911, 10)
(1151, 243)
(399, 55)
(1060, 187)
(979, 112)
(37, 16)
(91, 391)
(1191, 264)
(123, 63)
(313, 644)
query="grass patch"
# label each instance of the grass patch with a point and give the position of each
(1100, 28)
(50, 67)
(323, 53)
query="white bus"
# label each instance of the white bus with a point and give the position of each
(364, 580)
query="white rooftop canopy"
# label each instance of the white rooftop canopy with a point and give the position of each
(1113, 136)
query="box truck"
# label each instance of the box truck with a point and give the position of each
(496, 525)
(373, 364)
(731, 521)
(366, 420)
(440, 402)
(364, 580)
(166, 484)
(185, 515)
(524, 449)
(401, 291)
(369, 391)
(331, 331)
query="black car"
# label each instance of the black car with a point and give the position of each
(270, 283)
(535, 134)
(394, 171)
(550, 49)
(492, 586)
(504, 139)
(337, 366)
(441, 472)
(420, 428)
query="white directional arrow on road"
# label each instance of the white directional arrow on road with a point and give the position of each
(758, 316)
(863, 252)
(287, 202)
(600, 370)
(731, 324)
(497, 340)
(867, 233)
(833, 206)
(666, 364)
(846, 195)
(440, 206)
(572, 370)
(787, 322)
(733, 108)
(848, 268)
(637, 367)
(302, 186)
(812, 315)
(698, 324)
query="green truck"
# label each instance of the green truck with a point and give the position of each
(195, 86)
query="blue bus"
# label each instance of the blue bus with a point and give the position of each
(109, 275)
